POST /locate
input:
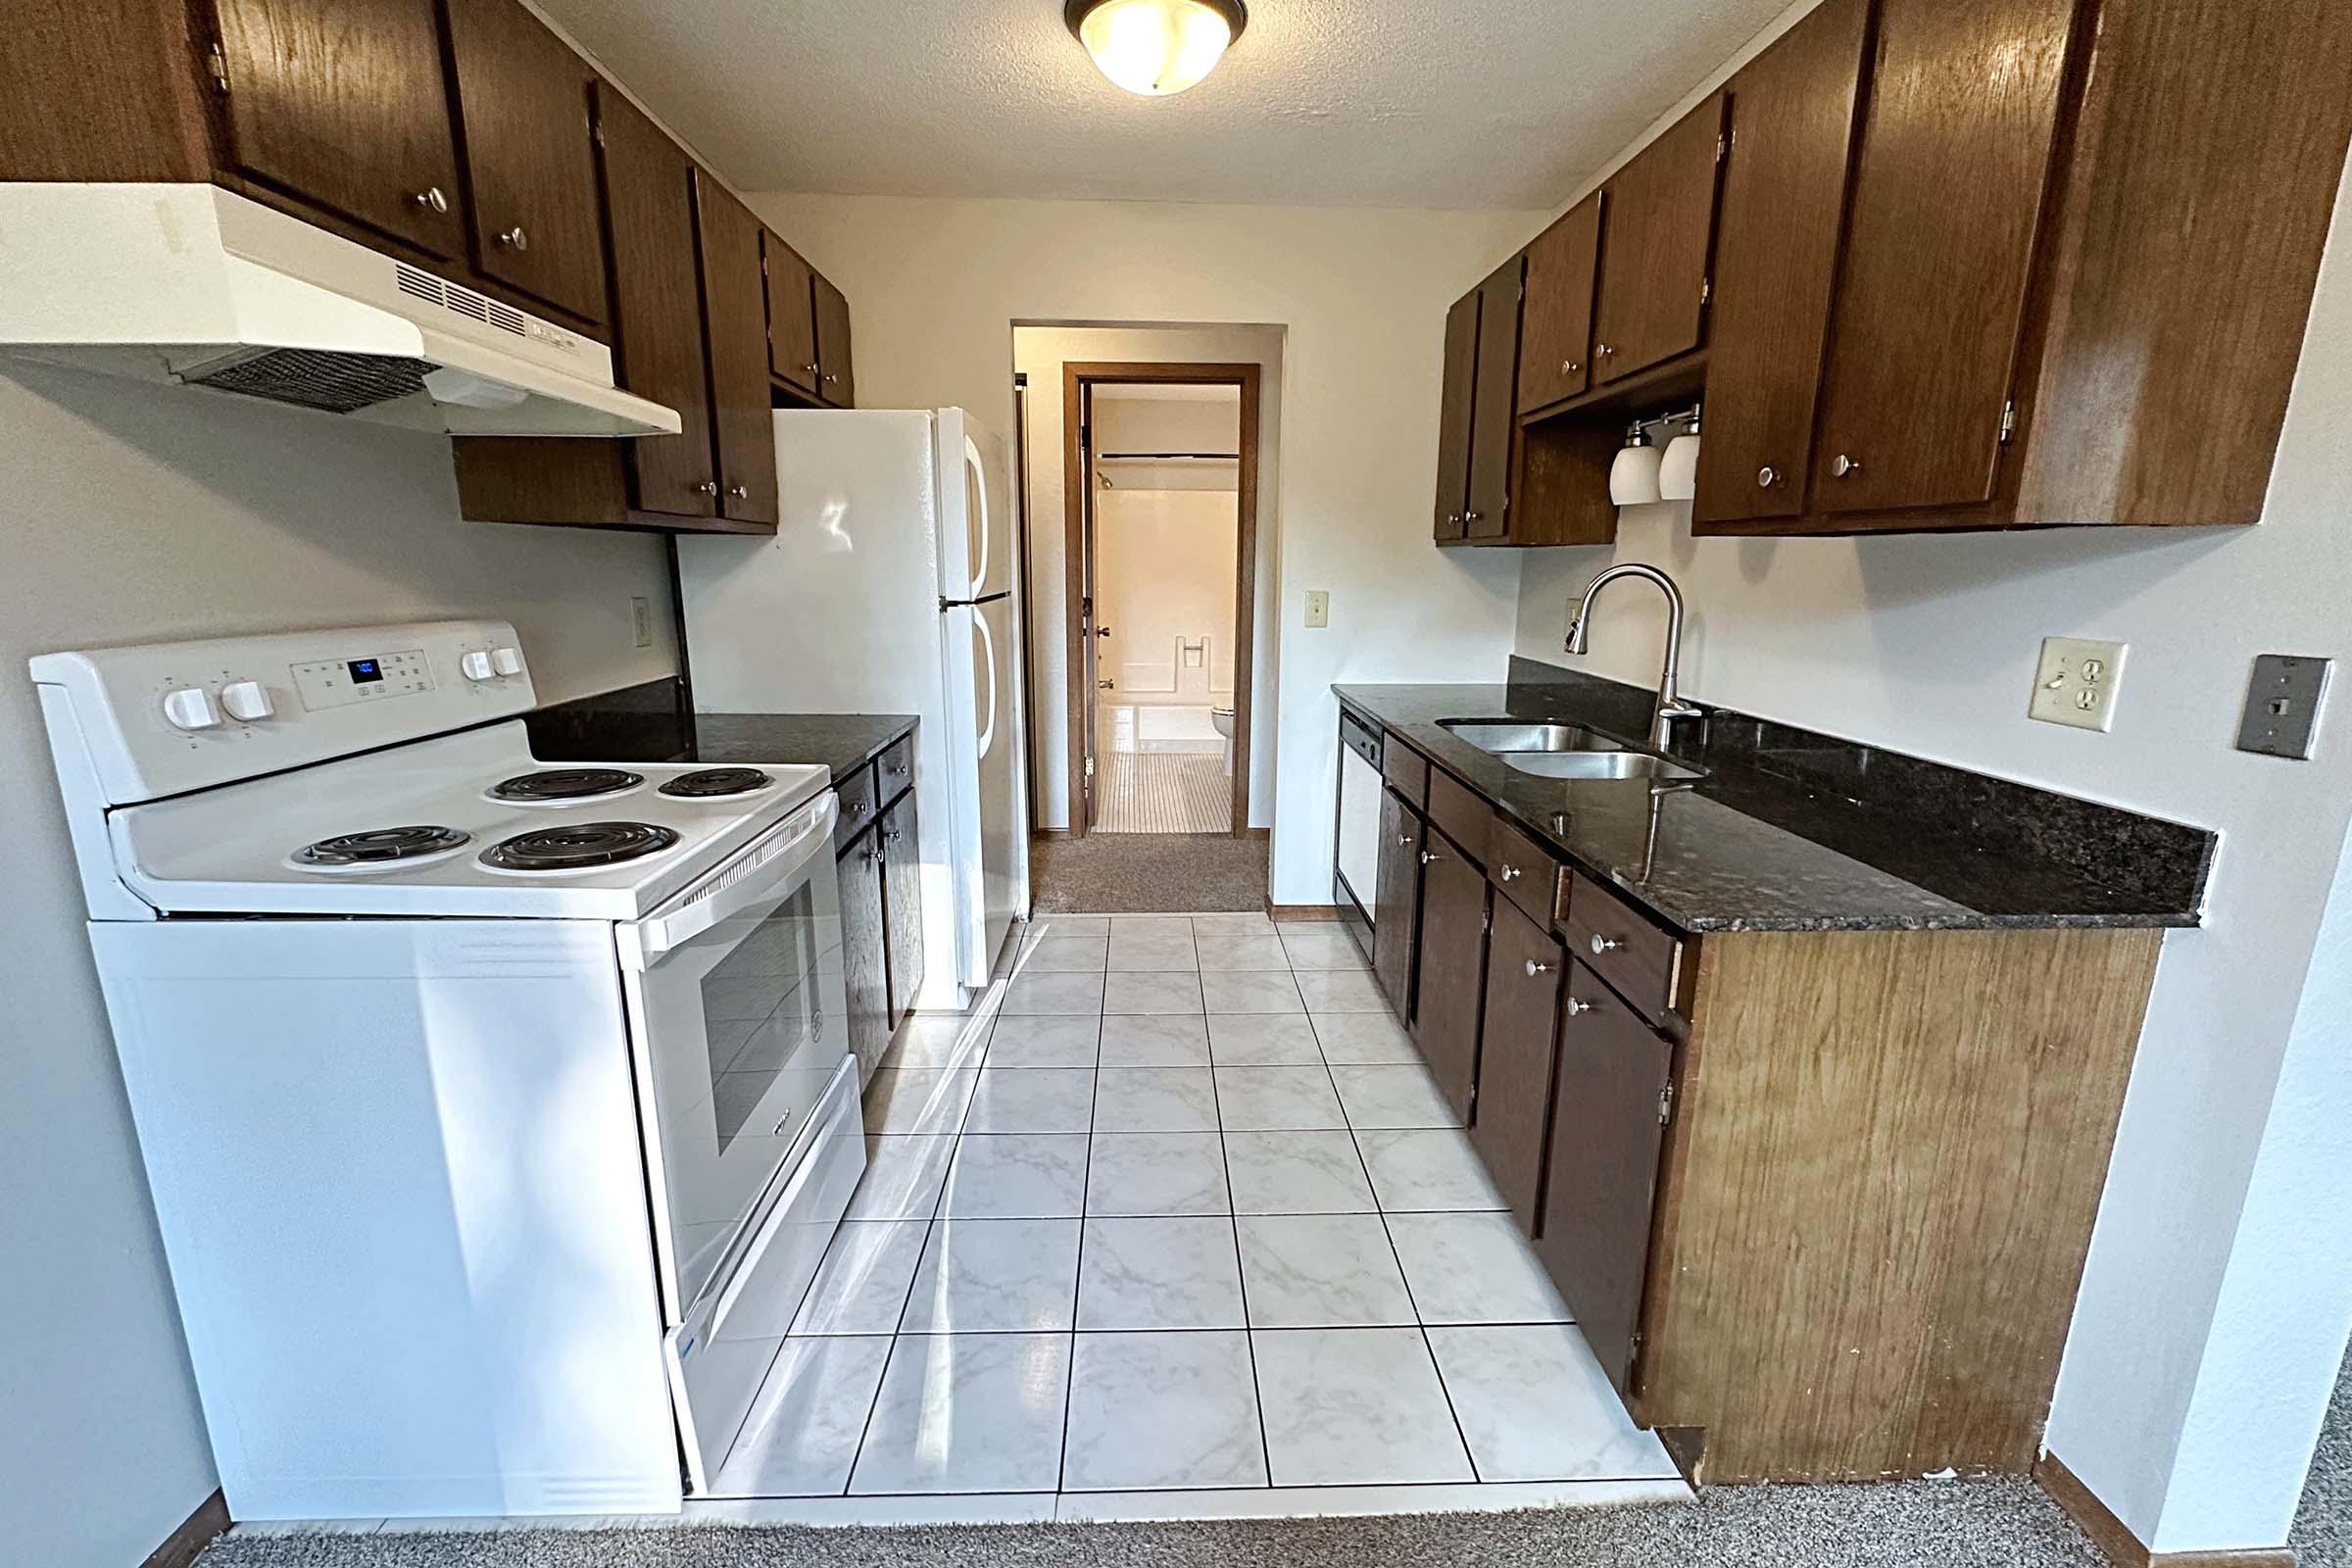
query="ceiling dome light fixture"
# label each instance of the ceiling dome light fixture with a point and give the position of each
(1156, 47)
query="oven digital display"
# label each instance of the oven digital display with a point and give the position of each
(364, 670)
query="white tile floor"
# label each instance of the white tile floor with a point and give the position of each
(1176, 1220)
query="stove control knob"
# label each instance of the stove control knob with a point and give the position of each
(190, 708)
(247, 701)
(476, 666)
(507, 661)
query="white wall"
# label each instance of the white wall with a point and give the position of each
(935, 287)
(130, 513)
(1166, 536)
(1928, 645)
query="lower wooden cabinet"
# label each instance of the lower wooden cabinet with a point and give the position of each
(865, 941)
(1524, 968)
(1397, 905)
(881, 906)
(902, 903)
(1449, 973)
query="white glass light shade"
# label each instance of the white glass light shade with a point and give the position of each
(1677, 470)
(1634, 475)
(1154, 47)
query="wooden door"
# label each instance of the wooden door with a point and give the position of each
(342, 102)
(1458, 395)
(864, 940)
(1522, 1028)
(1776, 258)
(1654, 248)
(903, 904)
(791, 316)
(1450, 973)
(836, 383)
(1555, 328)
(1396, 903)
(1602, 1176)
(1494, 402)
(530, 160)
(735, 313)
(657, 296)
(1956, 153)
(1084, 659)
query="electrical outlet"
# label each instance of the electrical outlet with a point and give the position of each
(1318, 608)
(641, 619)
(2077, 682)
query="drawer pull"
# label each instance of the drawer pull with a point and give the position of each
(1601, 945)
(1429, 857)
(1510, 873)
(1534, 968)
(1577, 1009)
(516, 237)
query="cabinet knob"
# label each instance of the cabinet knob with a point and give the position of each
(808, 369)
(1453, 517)
(832, 380)
(1603, 350)
(739, 492)
(892, 836)
(1404, 841)
(432, 200)
(1577, 1009)
(1428, 857)
(1534, 968)
(1601, 944)
(1469, 517)
(856, 807)
(1840, 465)
(1768, 477)
(1510, 873)
(1569, 366)
(515, 238)
(708, 487)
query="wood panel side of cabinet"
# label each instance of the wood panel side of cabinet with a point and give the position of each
(1556, 332)
(1776, 255)
(344, 103)
(104, 90)
(1456, 397)
(2180, 285)
(735, 315)
(1878, 1191)
(1654, 248)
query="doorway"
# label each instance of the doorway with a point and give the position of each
(1161, 478)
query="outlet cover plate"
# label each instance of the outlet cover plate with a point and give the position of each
(2077, 682)
(1318, 608)
(2283, 706)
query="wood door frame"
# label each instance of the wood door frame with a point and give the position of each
(1082, 377)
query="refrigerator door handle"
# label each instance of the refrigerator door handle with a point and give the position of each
(988, 731)
(975, 474)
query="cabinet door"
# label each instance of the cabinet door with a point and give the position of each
(1956, 151)
(1775, 256)
(1603, 1172)
(735, 311)
(836, 383)
(863, 945)
(657, 294)
(1460, 392)
(1450, 977)
(1555, 330)
(342, 102)
(1524, 964)
(902, 860)
(1397, 906)
(1653, 248)
(791, 316)
(1493, 404)
(530, 164)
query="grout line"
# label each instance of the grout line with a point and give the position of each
(1241, 1272)
(1069, 1368)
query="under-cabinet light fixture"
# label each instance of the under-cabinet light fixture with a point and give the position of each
(1156, 47)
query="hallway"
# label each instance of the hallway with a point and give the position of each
(1149, 873)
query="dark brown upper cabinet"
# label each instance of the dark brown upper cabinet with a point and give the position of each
(1457, 398)
(1494, 404)
(837, 382)
(1555, 331)
(341, 103)
(150, 124)
(1654, 248)
(1776, 258)
(735, 299)
(530, 162)
(791, 317)
(1947, 197)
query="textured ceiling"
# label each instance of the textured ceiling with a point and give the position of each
(1337, 103)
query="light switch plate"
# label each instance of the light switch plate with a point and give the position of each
(2283, 706)
(1318, 608)
(641, 620)
(2077, 682)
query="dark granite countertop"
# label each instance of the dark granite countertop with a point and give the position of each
(843, 742)
(1791, 831)
(650, 723)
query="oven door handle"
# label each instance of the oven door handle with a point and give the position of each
(762, 873)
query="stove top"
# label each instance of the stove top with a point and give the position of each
(566, 786)
(577, 846)
(718, 783)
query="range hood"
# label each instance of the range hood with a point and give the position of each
(199, 286)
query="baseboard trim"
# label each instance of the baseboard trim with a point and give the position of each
(196, 1532)
(1302, 913)
(1261, 834)
(2115, 1540)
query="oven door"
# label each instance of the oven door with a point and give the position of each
(738, 1026)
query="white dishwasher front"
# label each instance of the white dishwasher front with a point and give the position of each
(1359, 825)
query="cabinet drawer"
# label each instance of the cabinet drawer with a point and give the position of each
(1622, 945)
(1466, 818)
(1405, 769)
(896, 771)
(1359, 737)
(1526, 872)
(857, 794)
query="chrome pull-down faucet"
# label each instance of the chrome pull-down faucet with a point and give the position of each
(1670, 706)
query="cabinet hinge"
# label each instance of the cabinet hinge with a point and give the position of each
(2008, 421)
(1486, 920)
(1090, 767)
(217, 59)
(595, 129)
(1706, 290)
(1723, 148)
(1666, 1105)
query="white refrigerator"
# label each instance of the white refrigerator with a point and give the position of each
(890, 587)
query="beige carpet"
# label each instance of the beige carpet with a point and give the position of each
(1148, 873)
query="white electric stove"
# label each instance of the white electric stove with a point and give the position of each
(497, 1112)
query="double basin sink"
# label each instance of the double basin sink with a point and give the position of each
(1563, 750)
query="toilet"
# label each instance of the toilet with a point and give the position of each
(1222, 717)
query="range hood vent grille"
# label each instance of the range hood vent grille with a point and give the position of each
(310, 378)
(459, 300)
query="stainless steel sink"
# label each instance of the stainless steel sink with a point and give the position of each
(1504, 736)
(1598, 765)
